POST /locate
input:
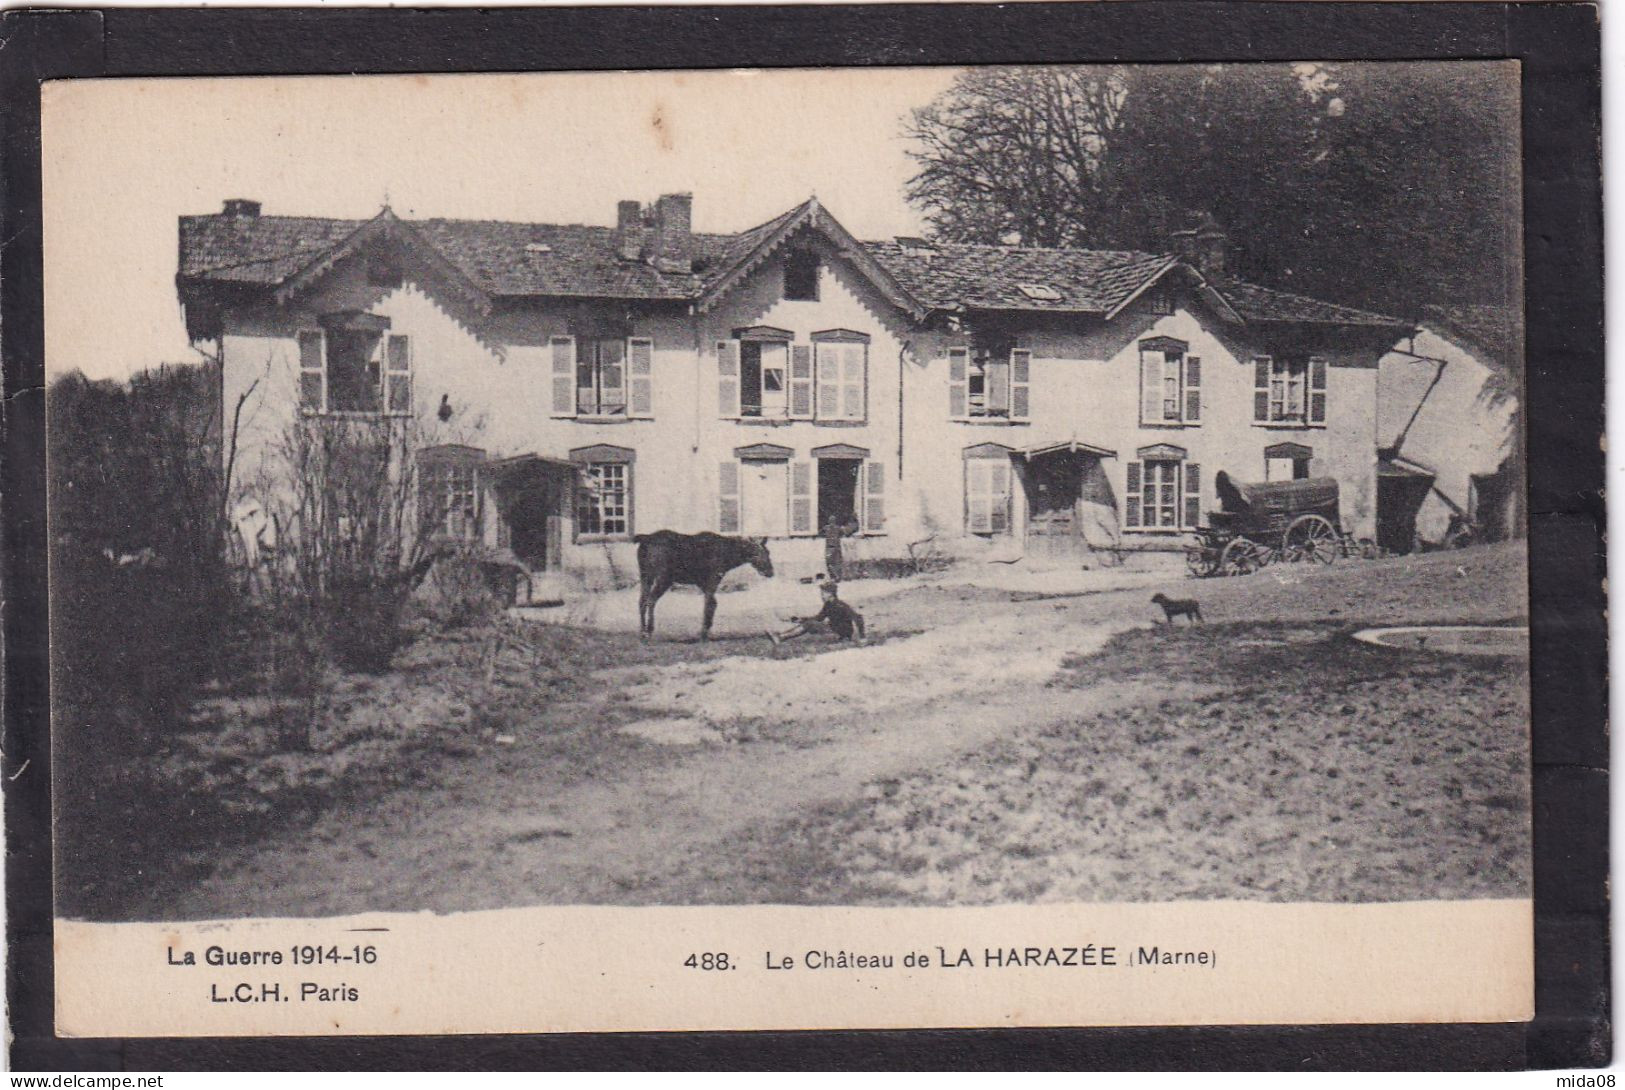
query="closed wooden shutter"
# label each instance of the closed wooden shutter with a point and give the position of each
(854, 381)
(829, 381)
(999, 486)
(1317, 390)
(312, 372)
(801, 500)
(1193, 389)
(1261, 389)
(1151, 364)
(874, 497)
(640, 353)
(1193, 495)
(958, 371)
(398, 373)
(978, 496)
(728, 379)
(563, 351)
(1131, 496)
(728, 498)
(1021, 362)
(998, 387)
(801, 381)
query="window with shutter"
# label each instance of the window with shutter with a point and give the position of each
(563, 358)
(398, 374)
(874, 498)
(312, 372)
(1193, 389)
(640, 352)
(801, 498)
(728, 497)
(801, 381)
(1289, 391)
(728, 383)
(958, 370)
(1020, 378)
(1317, 390)
(1193, 495)
(1131, 496)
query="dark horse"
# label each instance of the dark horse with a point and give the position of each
(666, 558)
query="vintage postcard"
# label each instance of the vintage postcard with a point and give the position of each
(913, 547)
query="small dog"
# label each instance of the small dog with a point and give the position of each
(1178, 607)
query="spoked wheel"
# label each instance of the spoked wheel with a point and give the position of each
(1240, 557)
(1200, 560)
(1310, 537)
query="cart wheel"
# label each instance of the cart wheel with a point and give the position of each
(1310, 537)
(1199, 560)
(1240, 557)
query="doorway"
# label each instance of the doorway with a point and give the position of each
(838, 490)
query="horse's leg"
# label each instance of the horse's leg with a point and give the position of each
(644, 611)
(661, 586)
(710, 589)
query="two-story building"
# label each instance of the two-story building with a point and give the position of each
(569, 387)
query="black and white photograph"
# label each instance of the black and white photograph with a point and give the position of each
(893, 488)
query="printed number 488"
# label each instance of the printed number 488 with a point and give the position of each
(708, 961)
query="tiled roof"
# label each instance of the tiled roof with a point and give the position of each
(1259, 304)
(990, 277)
(525, 259)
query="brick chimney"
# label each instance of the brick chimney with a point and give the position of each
(1205, 246)
(241, 208)
(629, 230)
(673, 243)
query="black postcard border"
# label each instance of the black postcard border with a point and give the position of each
(1559, 47)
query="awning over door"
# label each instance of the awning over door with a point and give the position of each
(1071, 446)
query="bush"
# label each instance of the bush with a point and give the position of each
(457, 592)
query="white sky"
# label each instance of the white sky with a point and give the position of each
(124, 158)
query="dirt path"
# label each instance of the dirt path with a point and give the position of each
(580, 809)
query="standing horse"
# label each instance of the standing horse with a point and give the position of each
(666, 558)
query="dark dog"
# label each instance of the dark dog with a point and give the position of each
(1179, 607)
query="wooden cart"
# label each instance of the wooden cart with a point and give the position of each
(1265, 523)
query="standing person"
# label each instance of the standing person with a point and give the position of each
(835, 528)
(836, 617)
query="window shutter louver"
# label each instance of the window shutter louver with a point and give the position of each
(999, 486)
(1261, 389)
(728, 498)
(1021, 361)
(958, 370)
(1317, 390)
(1193, 389)
(640, 353)
(398, 373)
(801, 381)
(1151, 364)
(563, 351)
(829, 381)
(1131, 496)
(312, 372)
(978, 496)
(728, 378)
(801, 504)
(1193, 495)
(874, 503)
(854, 380)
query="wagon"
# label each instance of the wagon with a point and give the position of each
(1266, 522)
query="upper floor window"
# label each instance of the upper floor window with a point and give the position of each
(602, 376)
(1289, 390)
(353, 366)
(762, 375)
(841, 359)
(1170, 383)
(764, 378)
(988, 384)
(801, 275)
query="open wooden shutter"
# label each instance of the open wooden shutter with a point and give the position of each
(1261, 389)
(1131, 496)
(640, 353)
(728, 379)
(801, 500)
(874, 498)
(1021, 362)
(312, 372)
(1317, 390)
(1193, 389)
(1151, 365)
(854, 380)
(829, 381)
(978, 496)
(958, 371)
(1193, 495)
(801, 381)
(398, 373)
(563, 351)
(728, 498)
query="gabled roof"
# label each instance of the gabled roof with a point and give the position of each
(1260, 304)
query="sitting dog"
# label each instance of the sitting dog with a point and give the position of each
(1179, 607)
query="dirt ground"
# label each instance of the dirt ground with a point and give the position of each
(993, 744)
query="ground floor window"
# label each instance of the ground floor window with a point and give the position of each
(449, 494)
(604, 500)
(1162, 494)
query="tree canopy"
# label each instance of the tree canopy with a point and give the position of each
(1390, 184)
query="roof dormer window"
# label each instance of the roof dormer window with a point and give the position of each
(801, 276)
